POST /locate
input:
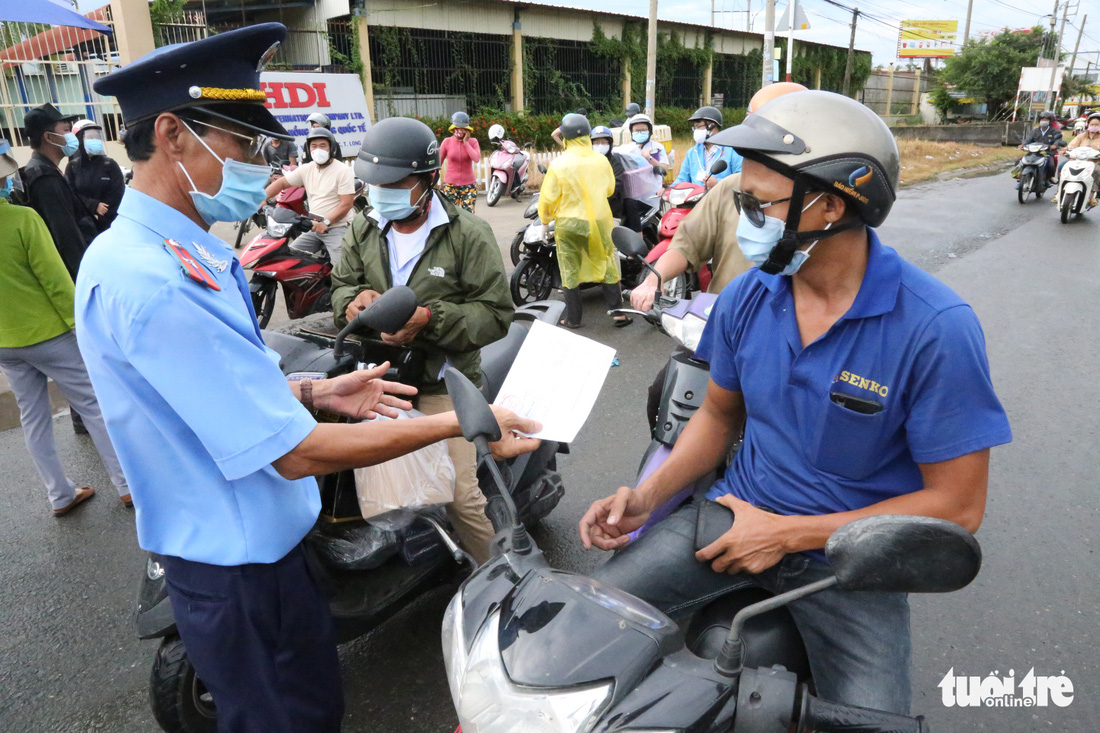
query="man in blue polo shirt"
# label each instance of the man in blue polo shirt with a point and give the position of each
(219, 451)
(862, 385)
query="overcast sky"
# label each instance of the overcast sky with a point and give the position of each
(831, 24)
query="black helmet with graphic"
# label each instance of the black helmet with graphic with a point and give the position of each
(394, 148)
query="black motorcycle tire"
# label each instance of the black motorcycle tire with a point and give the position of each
(180, 701)
(533, 280)
(242, 229)
(1024, 189)
(1069, 203)
(516, 250)
(492, 194)
(263, 302)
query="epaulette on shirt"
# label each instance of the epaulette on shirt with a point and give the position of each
(190, 267)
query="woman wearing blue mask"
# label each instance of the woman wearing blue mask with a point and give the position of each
(645, 163)
(94, 176)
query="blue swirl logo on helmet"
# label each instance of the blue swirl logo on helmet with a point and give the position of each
(860, 176)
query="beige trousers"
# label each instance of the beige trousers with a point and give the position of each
(467, 513)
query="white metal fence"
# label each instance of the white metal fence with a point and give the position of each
(57, 65)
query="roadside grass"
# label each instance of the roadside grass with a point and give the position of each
(922, 160)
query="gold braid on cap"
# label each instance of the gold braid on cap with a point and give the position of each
(228, 95)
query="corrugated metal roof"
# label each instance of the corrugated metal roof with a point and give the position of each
(555, 6)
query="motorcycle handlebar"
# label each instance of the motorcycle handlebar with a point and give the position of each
(819, 715)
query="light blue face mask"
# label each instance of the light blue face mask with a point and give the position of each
(393, 203)
(71, 143)
(756, 243)
(8, 187)
(241, 192)
(640, 137)
(94, 147)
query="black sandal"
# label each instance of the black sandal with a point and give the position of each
(623, 321)
(567, 324)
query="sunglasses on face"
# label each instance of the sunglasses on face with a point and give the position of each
(750, 207)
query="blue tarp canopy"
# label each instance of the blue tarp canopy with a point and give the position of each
(45, 11)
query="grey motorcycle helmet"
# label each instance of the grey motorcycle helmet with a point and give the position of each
(319, 119)
(632, 109)
(824, 141)
(394, 148)
(574, 125)
(708, 113)
(460, 119)
(323, 133)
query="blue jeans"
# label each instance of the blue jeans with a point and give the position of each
(857, 642)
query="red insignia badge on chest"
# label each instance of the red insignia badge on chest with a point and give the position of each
(190, 267)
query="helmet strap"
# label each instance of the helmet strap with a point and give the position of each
(793, 240)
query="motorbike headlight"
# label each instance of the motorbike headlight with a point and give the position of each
(277, 229)
(534, 233)
(677, 196)
(532, 209)
(685, 331)
(488, 702)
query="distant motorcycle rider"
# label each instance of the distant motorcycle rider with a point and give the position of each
(1046, 134)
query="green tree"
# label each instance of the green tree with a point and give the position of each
(990, 69)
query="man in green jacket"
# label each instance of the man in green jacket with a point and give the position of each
(450, 258)
(37, 343)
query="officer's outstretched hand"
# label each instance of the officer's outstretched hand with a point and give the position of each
(363, 394)
(608, 522)
(511, 443)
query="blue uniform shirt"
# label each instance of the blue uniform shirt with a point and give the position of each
(908, 342)
(697, 163)
(194, 402)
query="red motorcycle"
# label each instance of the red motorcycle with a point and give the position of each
(678, 200)
(305, 277)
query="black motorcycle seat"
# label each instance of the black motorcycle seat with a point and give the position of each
(292, 349)
(497, 358)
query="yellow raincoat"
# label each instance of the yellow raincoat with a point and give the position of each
(574, 194)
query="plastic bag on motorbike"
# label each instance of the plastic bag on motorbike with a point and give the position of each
(417, 479)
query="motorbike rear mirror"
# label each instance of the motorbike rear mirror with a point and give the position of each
(542, 168)
(718, 166)
(904, 555)
(388, 314)
(628, 241)
(475, 417)
(528, 145)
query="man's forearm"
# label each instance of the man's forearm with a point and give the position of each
(704, 444)
(275, 187)
(335, 447)
(340, 211)
(671, 264)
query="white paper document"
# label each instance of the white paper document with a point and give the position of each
(555, 379)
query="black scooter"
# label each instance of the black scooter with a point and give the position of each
(371, 568)
(533, 649)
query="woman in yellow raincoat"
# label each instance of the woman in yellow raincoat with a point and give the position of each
(574, 195)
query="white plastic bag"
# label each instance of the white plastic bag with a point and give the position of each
(420, 478)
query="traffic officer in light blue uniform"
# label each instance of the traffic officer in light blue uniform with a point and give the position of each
(220, 451)
(861, 383)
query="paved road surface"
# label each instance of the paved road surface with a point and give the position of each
(69, 660)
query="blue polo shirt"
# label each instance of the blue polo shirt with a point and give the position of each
(194, 401)
(908, 343)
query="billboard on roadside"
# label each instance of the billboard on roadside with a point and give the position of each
(293, 96)
(923, 39)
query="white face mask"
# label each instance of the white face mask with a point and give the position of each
(699, 135)
(601, 149)
(320, 156)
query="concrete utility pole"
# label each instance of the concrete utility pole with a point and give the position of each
(790, 37)
(1080, 32)
(851, 52)
(1057, 49)
(651, 62)
(768, 72)
(966, 28)
(748, 15)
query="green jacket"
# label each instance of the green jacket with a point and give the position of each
(36, 292)
(459, 278)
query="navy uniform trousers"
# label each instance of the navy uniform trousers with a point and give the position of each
(260, 637)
